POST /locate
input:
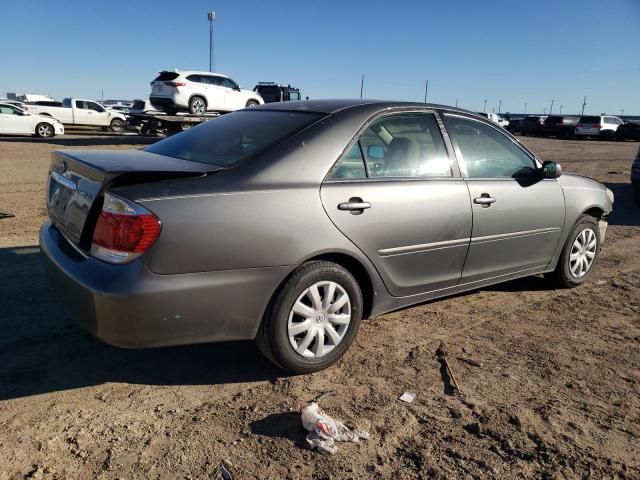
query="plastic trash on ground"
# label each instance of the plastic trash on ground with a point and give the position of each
(324, 431)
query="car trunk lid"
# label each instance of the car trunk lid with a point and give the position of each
(77, 181)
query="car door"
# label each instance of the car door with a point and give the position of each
(97, 114)
(216, 93)
(14, 120)
(518, 216)
(233, 99)
(397, 194)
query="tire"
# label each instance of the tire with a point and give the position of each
(170, 110)
(251, 103)
(197, 106)
(45, 130)
(116, 125)
(273, 336)
(563, 275)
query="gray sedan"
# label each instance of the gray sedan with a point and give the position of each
(290, 223)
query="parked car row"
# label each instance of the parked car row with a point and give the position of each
(604, 127)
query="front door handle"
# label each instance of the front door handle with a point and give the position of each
(485, 200)
(355, 206)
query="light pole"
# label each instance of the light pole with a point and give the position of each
(426, 90)
(456, 103)
(560, 109)
(544, 111)
(551, 109)
(621, 112)
(485, 105)
(211, 16)
(525, 108)
(499, 105)
(361, 85)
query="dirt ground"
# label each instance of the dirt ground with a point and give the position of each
(558, 395)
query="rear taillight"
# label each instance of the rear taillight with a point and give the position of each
(175, 84)
(124, 231)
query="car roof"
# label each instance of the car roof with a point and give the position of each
(329, 106)
(200, 72)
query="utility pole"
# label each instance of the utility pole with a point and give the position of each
(426, 90)
(525, 108)
(584, 104)
(551, 109)
(499, 105)
(485, 105)
(361, 85)
(211, 16)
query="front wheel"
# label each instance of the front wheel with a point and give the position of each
(45, 130)
(116, 125)
(251, 103)
(579, 254)
(313, 318)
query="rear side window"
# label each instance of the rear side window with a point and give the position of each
(196, 78)
(488, 153)
(81, 105)
(166, 76)
(590, 120)
(402, 145)
(234, 137)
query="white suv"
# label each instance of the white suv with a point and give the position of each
(199, 92)
(602, 126)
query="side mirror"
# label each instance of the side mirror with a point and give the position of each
(375, 151)
(551, 169)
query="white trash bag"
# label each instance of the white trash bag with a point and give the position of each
(324, 431)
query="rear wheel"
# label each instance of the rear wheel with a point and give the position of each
(579, 254)
(170, 110)
(313, 318)
(197, 106)
(45, 130)
(251, 103)
(116, 125)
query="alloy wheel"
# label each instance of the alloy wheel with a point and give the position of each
(44, 130)
(319, 319)
(197, 106)
(583, 253)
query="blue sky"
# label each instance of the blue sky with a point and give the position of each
(517, 51)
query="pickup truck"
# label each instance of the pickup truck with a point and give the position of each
(77, 111)
(495, 118)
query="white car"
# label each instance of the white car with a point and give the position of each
(601, 126)
(14, 121)
(495, 118)
(199, 92)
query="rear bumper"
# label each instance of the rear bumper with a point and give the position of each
(174, 101)
(130, 306)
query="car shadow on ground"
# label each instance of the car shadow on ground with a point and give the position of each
(42, 351)
(95, 139)
(626, 211)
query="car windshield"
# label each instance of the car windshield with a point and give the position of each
(234, 137)
(590, 120)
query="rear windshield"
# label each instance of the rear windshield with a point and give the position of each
(234, 137)
(590, 120)
(269, 94)
(138, 105)
(552, 120)
(166, 76)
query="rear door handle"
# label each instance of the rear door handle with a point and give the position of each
(485, 200)
(355, 205)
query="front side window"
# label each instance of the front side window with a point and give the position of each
(94, 106)
(235, 137)
(7, 110)
(486, 152)
(226, 82)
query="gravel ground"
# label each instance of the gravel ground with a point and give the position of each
(558, 395)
